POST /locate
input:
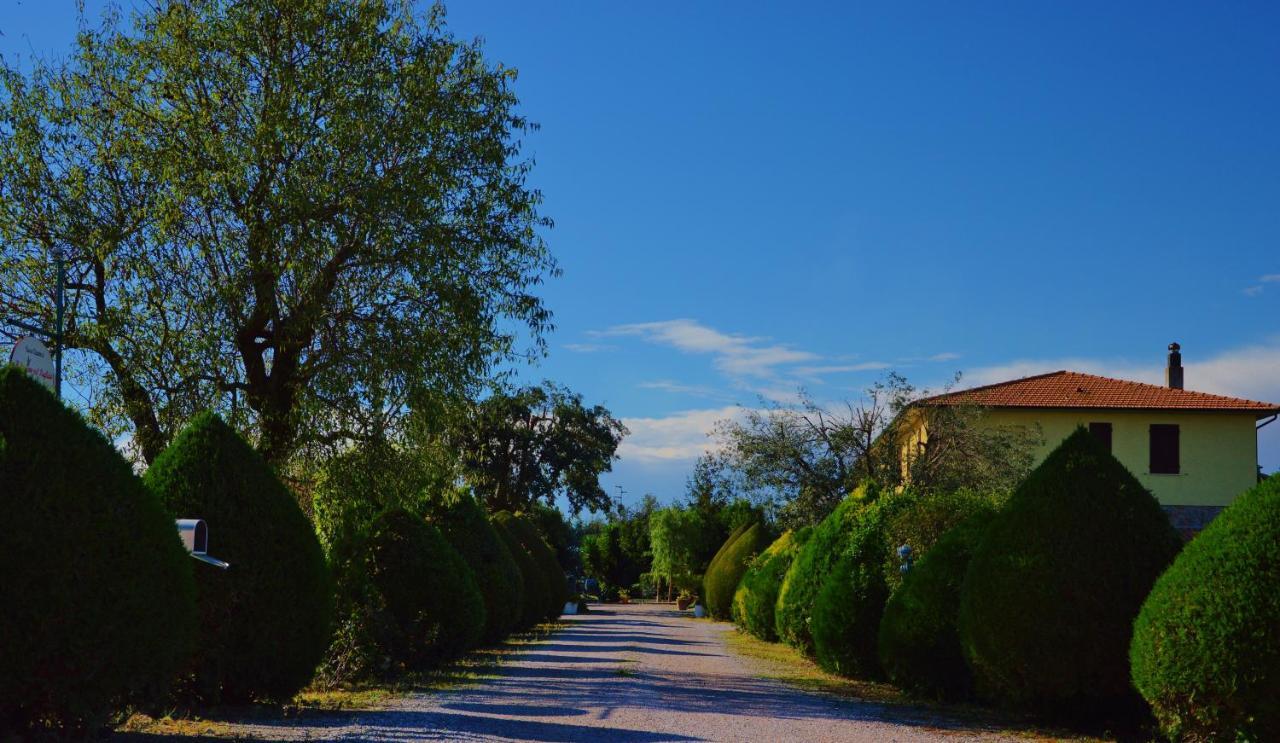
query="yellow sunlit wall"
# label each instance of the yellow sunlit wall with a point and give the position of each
(1218, 451)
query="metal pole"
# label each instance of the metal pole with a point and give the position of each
(57, 338)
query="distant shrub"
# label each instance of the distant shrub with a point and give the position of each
(1048, 602)
(264, 623)
(1206, 646)
(812, 564)
(97, 603)
(414, 596)
(919, 645)
(557, 585)
(722, 579)
(533, 582)
(467, 529)
(757, 594)
(845, 622)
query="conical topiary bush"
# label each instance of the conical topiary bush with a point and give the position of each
(1049, 598)
(757, 594)
(467, 529)
(1206, 647)
(554, 584)
(97, 604)
(533, 583)
(813, 563)
(919, 644)
(420, 597)
(722, 578)
(845, 622)
(264, 623)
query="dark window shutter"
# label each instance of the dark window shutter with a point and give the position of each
(1164, 449)
(1103, 432)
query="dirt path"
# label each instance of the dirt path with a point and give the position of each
(629, 673)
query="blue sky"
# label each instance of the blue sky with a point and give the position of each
(750, 197)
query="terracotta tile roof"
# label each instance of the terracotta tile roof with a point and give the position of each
(1068, 389)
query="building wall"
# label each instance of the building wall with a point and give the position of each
(1218, 451)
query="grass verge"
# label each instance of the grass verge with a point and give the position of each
(220, 722)
(781, 662)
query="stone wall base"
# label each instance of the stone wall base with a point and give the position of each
(1190, 520)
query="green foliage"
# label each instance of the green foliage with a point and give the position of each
(340, 229)
(605, 558)
(926, 518)
(96, 597)
(525, 446)
(919, 645)
(616, 552)
(555, 586)
(1049, 599)
(675, 538)
(757, 594)
(414, 598)
(557, 532)
(533, 604)
(275, 601)
(1206, 646)
(466, 528)
(721, 580)
(359, 484)
(846, 615)
(812, 564)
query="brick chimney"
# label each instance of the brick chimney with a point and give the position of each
(1173, 372)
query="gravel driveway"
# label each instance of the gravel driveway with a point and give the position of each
(622, 674)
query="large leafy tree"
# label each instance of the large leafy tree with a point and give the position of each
(529, 445)
(298, 214)
(805, 457)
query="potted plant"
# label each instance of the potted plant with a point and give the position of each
(685, 600)
(624, 596)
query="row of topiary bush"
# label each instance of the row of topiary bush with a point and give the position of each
(114, 615)
(1031, 604)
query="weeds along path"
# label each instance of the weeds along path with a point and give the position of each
(638, 672)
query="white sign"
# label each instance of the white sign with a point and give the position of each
(31, 354)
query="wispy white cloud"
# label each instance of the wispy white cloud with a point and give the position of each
(945, 356)
(817, 371)
(589, 347)
(1251, 372)
(733, 354)
(696, 390)
(1256, 289)
(684, 435)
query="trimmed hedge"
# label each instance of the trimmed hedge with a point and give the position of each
(737, 531)
(919, 644)
(422, 599)
(465, 527)
(813, 563)
(1206, 646)
(264, 623)
(533, 605)
(557, 586)
(757, 594)
(722, 578)
(1049, 599)
(845, 623)
(97, 603)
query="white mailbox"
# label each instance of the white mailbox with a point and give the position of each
(195, 537)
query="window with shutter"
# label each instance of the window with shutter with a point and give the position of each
(1164, 449)
(1103, 432)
